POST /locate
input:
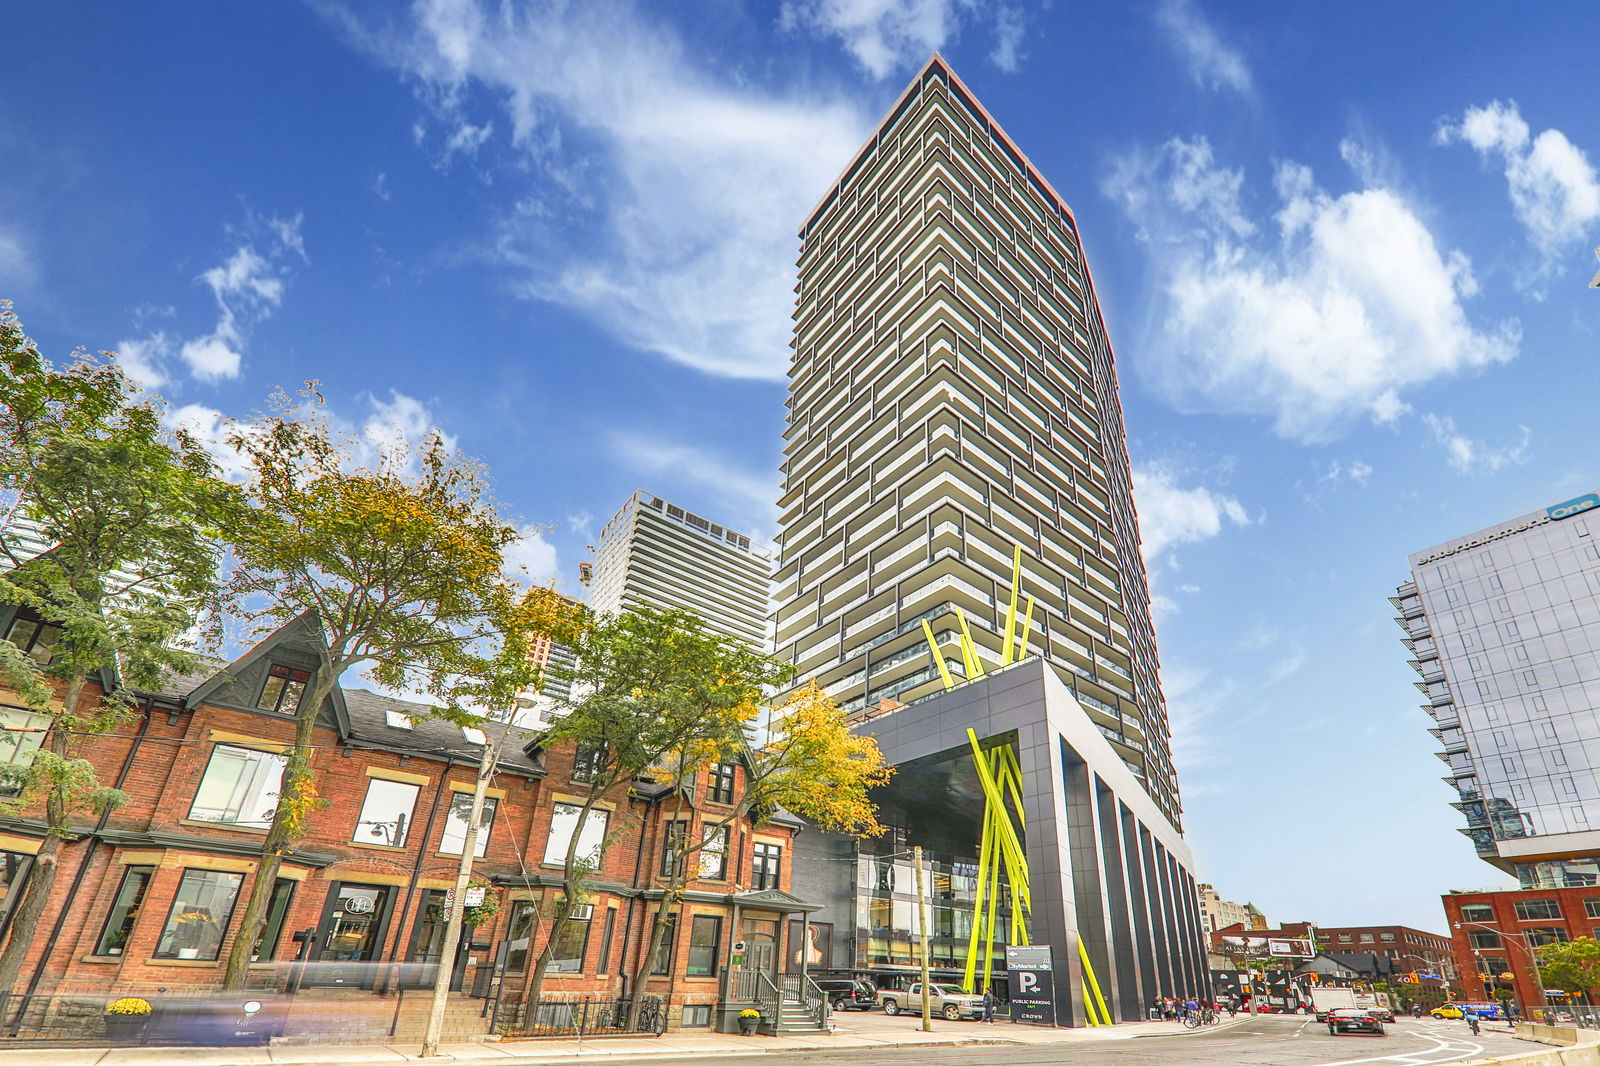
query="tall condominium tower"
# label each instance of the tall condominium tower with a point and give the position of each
(953, 396)
(655, 553)
(1504, 627)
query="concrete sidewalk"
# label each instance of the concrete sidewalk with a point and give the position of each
(869, 1032)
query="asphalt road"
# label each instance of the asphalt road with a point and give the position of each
(1270, 1040)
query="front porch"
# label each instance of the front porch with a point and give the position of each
(754, 976)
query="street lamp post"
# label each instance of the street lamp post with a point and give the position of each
(1533, 961)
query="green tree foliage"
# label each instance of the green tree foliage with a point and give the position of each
(808, 763)
(648, 685)
(491, 689)
(131, 513)
(396, 553)
(1573, 967)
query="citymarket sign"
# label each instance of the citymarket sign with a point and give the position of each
(1572, 507)
(1566, 509)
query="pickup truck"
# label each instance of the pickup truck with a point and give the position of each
(948, 1000)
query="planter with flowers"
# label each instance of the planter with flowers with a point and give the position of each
(749, 1018)
(126, 1019)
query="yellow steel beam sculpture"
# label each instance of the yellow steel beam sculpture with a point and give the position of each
(1009, 652)
(1094, 986)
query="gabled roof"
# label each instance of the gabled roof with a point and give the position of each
(304, 633)
(358, 714)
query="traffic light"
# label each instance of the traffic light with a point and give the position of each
(1508, 975)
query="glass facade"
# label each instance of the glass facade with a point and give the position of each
(887, 910)
(1504, 626)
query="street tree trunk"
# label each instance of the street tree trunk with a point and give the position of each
(288, 822)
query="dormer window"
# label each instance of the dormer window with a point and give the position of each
(33, 637)
(283, 690)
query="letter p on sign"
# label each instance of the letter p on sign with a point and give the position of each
(1027, 982)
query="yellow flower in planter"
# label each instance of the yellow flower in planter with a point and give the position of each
(749, 1012)
(128, 1005)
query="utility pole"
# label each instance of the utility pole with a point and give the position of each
(922, 931)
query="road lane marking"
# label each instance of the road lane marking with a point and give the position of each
(1420, 1058)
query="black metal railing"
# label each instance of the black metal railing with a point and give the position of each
(583, 1016)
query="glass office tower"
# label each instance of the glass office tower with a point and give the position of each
(1504, 629)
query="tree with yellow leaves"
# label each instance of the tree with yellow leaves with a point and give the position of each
(395, 554)
(809, 764)
(648, 685)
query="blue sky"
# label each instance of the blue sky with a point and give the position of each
(1342, 250)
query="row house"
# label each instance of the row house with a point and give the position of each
(150, 895)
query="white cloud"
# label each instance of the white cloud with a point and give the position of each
(1170, 515)
(1348, 305)
(1212, 63)
(1354, 471)
(1555, 191)
(399, 421)
(397, 425)
(746, 501)
(144, 361)
(581, 523)
(531, 559)
(1469, 456)
(209, 427)
(247, 286)
(213, 357)
(887, 36)
(664, 200)
(1009, 26)
(17, 265)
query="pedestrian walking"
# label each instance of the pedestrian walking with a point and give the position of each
(988, 1006)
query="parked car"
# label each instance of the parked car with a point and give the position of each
(1446, 1011)
(1353, 1020)
(846, 994)
(948, 1000)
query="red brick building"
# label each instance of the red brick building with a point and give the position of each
(1495, 933)
(151, 895)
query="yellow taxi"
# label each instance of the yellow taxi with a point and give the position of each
(1446, 1011)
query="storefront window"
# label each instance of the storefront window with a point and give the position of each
(199, 916)
(124, 910)
(571, 938)
(519, 932)
(277, 913)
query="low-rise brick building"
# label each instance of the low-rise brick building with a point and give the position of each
(151, 895)
(1495, 933)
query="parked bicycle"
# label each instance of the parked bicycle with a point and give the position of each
(1196, 1018)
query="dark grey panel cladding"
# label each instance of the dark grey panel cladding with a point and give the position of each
(1160, 946)
(1122, 983)
(1149, 972)
(822, 870)
(1085, 853)
(1098, 867)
